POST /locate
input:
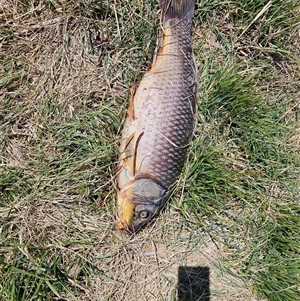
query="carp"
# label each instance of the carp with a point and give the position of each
(160, 121)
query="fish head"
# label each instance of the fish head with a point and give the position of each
(139, 203)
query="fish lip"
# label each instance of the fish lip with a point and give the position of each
(122, 226)
(126, 210)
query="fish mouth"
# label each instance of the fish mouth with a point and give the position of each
(126, 212)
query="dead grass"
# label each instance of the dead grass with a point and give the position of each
(147, 265)
(66, 69)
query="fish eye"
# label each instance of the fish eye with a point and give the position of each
(144, 214)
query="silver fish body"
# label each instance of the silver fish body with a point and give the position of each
(160, 122)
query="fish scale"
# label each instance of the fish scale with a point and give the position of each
(160, 121)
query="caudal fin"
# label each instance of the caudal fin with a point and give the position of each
(177, 9)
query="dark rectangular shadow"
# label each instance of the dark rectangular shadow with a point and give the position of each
(193, 284)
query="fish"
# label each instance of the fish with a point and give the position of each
(160, 121)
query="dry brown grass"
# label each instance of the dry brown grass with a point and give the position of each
(147, 265)
(62, 104)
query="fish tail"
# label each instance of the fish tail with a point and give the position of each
(177, 9)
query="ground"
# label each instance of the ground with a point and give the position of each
(230, 228)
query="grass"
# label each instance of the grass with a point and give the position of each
(63, 100)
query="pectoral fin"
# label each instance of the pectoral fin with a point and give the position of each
(128, 157)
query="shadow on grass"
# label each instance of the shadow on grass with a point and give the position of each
(193, 284)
